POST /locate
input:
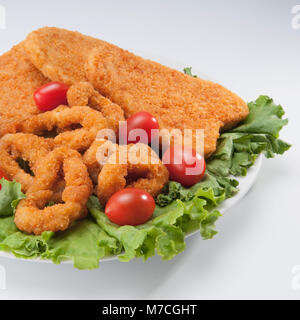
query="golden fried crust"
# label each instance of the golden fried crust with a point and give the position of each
(60, 54)
(133, 166)
(138, 84)
(84, 94)
(32, 216)
(27, 147)
(175, 99)
(90, 158)
(19, 78)
(63, 118)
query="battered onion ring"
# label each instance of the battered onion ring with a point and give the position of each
(95, 157)
(84, 94)
(132, 167)
(27, 147)
(32, 216)
(66, 120)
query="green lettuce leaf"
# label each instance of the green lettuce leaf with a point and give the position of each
(265, 117)
(188, 71)
(85, 243)
(21, 244)
(238, 149)
(165, 233)
(10, 195)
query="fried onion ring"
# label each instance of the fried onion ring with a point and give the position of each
(135, 166)
(32, 216)
(84, 94)
(22, 146)
(94, 158)
(77, 127)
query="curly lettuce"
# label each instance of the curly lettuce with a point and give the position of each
(258, 133)
(10, 195)
(188, 71)
(178, 210)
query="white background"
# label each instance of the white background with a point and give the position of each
(251, 48)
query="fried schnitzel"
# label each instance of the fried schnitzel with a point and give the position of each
(19, 78)
(175, 99)
(138, 84)
(60, 54)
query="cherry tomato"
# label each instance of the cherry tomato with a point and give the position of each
(141, 120)
(3, 175)
(185, 165)
(51, 95)
(130, 206)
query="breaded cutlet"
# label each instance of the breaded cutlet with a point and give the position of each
(177, 100)
(60, 54)
(19, 78)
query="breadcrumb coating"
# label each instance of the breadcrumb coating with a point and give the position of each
(175, 99)
(132, 166)
(84, 94)
(19, 78)
(63, 119)
(32, 214)
(23, 146)
(60, 54)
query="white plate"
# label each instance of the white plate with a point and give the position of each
(245, 184)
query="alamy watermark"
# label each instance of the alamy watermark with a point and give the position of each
(2, 278)
(295, 23)
(109, 151)
(2, 17)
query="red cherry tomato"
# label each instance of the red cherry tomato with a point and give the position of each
(51, 95)
(3, 175)
(141, 120)
(185, 165)
(130, 206)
